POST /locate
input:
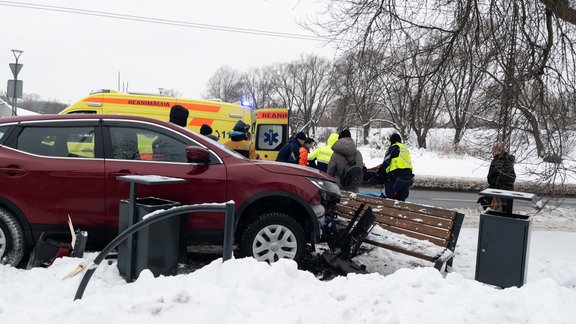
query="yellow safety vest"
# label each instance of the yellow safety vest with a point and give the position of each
(402, 161)
(324, 153)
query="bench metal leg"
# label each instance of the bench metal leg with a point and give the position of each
(449, 263)
(438, 265)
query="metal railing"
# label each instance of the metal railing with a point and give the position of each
(227, 208)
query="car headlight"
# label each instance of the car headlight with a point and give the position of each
(326, 186)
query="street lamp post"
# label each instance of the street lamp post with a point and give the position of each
(15, 69)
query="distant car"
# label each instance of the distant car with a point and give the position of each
(52, 166)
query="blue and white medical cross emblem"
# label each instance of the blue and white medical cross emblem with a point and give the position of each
(271, 137)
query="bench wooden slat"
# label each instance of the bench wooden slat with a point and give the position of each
(428, 210)
(412, 226)
(408, 252)
(398, 230)
(415, 217)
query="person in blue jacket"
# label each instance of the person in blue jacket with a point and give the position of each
(290, 153)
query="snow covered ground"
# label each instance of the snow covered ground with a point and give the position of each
(401, 289)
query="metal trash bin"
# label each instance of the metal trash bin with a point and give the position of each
(155, 247)
(503, 243)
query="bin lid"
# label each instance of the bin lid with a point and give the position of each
(507, 194)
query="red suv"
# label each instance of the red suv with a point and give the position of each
(52, 166)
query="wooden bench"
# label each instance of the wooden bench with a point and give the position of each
(424, 232)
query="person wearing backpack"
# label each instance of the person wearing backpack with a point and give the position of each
(346, 162)
(290, 153)
(396, 170)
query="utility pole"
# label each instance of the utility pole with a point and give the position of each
(15, 86)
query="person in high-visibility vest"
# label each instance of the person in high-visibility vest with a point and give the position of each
(320, 157)
(396, 170)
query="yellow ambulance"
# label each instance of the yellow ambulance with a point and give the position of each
(269, 126)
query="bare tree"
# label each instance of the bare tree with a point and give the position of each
(357, 75)
(306, 87)
(170, 92)
(225, 85)
(257, 85)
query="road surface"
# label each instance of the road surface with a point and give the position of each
(450, 199)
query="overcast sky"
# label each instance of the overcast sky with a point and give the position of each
(66, 55)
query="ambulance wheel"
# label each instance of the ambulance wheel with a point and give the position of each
(274, 236)
(12, 247)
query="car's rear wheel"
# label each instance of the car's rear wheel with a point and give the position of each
(274, 236)
(12, 247)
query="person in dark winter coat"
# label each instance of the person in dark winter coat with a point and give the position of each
(344, 150)
(239, 140)
(179, 115)
(206, 130)
(290, 153)
(501, 175)
(396, 170)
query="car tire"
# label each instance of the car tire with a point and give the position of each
(12, 247)
(273, 236)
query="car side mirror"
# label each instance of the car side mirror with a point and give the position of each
(197, 154)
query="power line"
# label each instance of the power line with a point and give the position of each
(112, 15)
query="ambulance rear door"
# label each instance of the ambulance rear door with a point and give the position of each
(271, 132)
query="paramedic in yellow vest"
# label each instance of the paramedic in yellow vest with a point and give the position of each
(396, 170)
(320, 157)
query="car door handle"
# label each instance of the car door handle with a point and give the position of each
(122, 173)
(12, 170)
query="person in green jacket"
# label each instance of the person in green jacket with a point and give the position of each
(320, 157)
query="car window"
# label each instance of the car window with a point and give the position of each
(57, 141)
(3, 130)
(130, 143)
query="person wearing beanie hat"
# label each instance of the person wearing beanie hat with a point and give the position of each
(290, 152)
(239, 141)
(206, 130)
(344, 133)
(395, 138)
(241, 127)
(396, 170)
(344, 154)
(179, 115)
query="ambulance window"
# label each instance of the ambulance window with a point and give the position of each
(270, 137)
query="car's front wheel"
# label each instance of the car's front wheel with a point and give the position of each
(274, 236)
(12, 245)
